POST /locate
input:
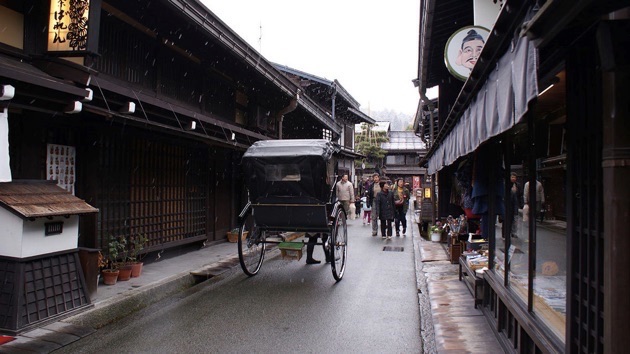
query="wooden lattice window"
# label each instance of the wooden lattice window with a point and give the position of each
(126, 54)
(585, 206)
(154, 188)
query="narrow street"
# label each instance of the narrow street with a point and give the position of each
(288, 307)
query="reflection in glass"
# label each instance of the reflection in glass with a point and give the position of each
(547, 209)
(551, 256)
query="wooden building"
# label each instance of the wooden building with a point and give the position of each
(340, 106)
(546, 99)
(155, 101)
(403, 152)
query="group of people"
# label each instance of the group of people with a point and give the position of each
(380, 201)
(387, 204)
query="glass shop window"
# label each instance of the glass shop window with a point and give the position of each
(545, 215)
(283, 172)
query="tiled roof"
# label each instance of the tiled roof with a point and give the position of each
(32, 199)
(403, 141)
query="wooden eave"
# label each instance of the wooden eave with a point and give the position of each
(213, 27)
(21, 71)
(193, 30)
(322, 91)
(41, 198)
(112, 87)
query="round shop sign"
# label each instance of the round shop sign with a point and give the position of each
(463, 48)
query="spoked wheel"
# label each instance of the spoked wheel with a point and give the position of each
(338, 242)
(251, 247)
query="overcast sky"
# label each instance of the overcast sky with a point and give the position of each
(369, 46)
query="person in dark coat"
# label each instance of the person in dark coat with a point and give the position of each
(373, 190)
(357, 205)
(402, 196)
(385, 204)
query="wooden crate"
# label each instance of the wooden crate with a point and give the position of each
(291, 250)
(233, 236)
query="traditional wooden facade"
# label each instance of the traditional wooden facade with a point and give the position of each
(157, 109)
(403, 152)
(545, 100)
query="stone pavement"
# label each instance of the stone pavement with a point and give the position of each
(450, 324)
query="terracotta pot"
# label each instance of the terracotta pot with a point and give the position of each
(110, 276)
(125, 273)
(136, 269)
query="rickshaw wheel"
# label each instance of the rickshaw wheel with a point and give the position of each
(338, 245)
(251, 246)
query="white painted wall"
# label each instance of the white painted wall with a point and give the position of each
(35, 243)
(5, 168)
(25, 238)
(10, 234)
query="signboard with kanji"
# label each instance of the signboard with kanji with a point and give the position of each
(68, 26)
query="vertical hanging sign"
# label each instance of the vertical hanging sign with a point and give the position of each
(60, 165)
(68, 26)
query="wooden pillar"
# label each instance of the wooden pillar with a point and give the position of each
(616, 174)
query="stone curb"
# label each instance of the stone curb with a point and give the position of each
(426, 317)
(110, 310)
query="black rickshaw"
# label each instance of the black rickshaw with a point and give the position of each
(291, 189)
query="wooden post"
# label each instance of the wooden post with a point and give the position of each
(616, 174)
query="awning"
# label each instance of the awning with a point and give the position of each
(500, 104)
(23, 72)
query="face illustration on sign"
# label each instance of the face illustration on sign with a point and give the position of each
(463, 49)
(471, 48)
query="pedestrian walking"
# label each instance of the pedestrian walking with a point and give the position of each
(345, 193)
(401, 205)
(367, 210)
(373, 190)
(357, 204)
(385, 205)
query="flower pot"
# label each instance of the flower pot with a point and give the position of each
(110, 276)
(136, 269)
(125, 272)
(436, 237)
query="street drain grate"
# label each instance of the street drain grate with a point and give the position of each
(393, 249)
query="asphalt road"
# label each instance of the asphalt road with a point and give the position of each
(288, 307)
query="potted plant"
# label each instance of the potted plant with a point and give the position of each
(110, 270)
(232, 236)
(136, 245)
(436, 232)
(121, 263)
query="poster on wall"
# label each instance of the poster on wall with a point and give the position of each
(416, 182)
(60, 161)
(463, 49)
